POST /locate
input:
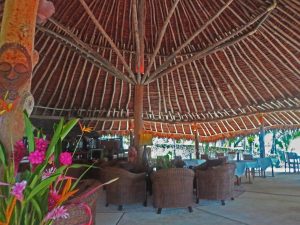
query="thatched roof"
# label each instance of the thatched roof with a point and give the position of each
(214, 65)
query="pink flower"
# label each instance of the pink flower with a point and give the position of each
(56, 213)
(53, 199)
(18, 154)
(41, 144)
(65, 158)
(18, 188)
(48, 172)
(36, 157)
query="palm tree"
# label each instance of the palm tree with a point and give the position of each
(285, 138)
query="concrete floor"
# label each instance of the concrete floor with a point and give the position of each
(271, 200)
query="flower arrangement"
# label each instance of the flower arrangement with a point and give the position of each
(36, 195)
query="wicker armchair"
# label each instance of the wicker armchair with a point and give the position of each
(215, 183)
(84, 202)
(172, 188)
(129, 188)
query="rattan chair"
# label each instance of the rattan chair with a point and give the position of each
(129, 188)
(215, 183)
(83, 203)
(172, 188)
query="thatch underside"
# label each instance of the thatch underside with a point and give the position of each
(216, 65)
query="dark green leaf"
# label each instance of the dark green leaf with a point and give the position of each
(68, 127)
(29, 129)
(2, 155)
(55, 139)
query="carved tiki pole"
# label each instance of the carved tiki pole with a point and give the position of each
(17, 59)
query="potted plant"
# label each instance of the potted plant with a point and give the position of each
(36, 195)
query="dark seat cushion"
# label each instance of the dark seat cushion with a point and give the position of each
(210, 163)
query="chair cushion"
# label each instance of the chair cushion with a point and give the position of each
(210, 163)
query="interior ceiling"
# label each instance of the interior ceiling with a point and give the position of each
(217, 66)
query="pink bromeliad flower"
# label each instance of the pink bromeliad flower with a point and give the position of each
(36, 157)
(65, 158)
(56, 213)
(18, 188)
(41, 144)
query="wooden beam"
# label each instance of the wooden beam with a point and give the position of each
(225, 42)
(195, 34)
(87, 53)
(138, 16)
(110, 41)
(229, 40)
(48, 117)
(137, 39)
(90, 50)
(160, 38)
(179, 121)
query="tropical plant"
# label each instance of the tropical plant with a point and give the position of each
(36, 195)
(250, 140)
(164, 162)
(285, 138)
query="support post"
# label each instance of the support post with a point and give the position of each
(17, 59)
(262, 152)
(138, 118)
(197, 146)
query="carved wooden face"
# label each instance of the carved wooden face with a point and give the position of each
(15, 69)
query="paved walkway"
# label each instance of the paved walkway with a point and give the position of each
(271, 200)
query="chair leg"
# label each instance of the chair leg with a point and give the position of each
(232, 198)
(197, 201)
(190, 209)
(106, 205)
(223, 202)
(145, 203)
(120, 207)
(159, 210)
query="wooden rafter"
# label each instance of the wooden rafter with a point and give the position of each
(160, 38)
(195, 34)
(111, 42)
(231, 39)
(87, 53)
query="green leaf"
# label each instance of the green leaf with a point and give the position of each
(68, 127)
(2, 155)
(43, 185)
(58, 150)
(29, 129)
(55, 139)
(37, 208)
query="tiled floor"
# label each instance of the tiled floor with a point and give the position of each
(271, 200)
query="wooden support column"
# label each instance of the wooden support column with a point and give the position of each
(262, 151)
(138, 118)
(261, 137)
(17, 59)
(138, 17)
(197, 146)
